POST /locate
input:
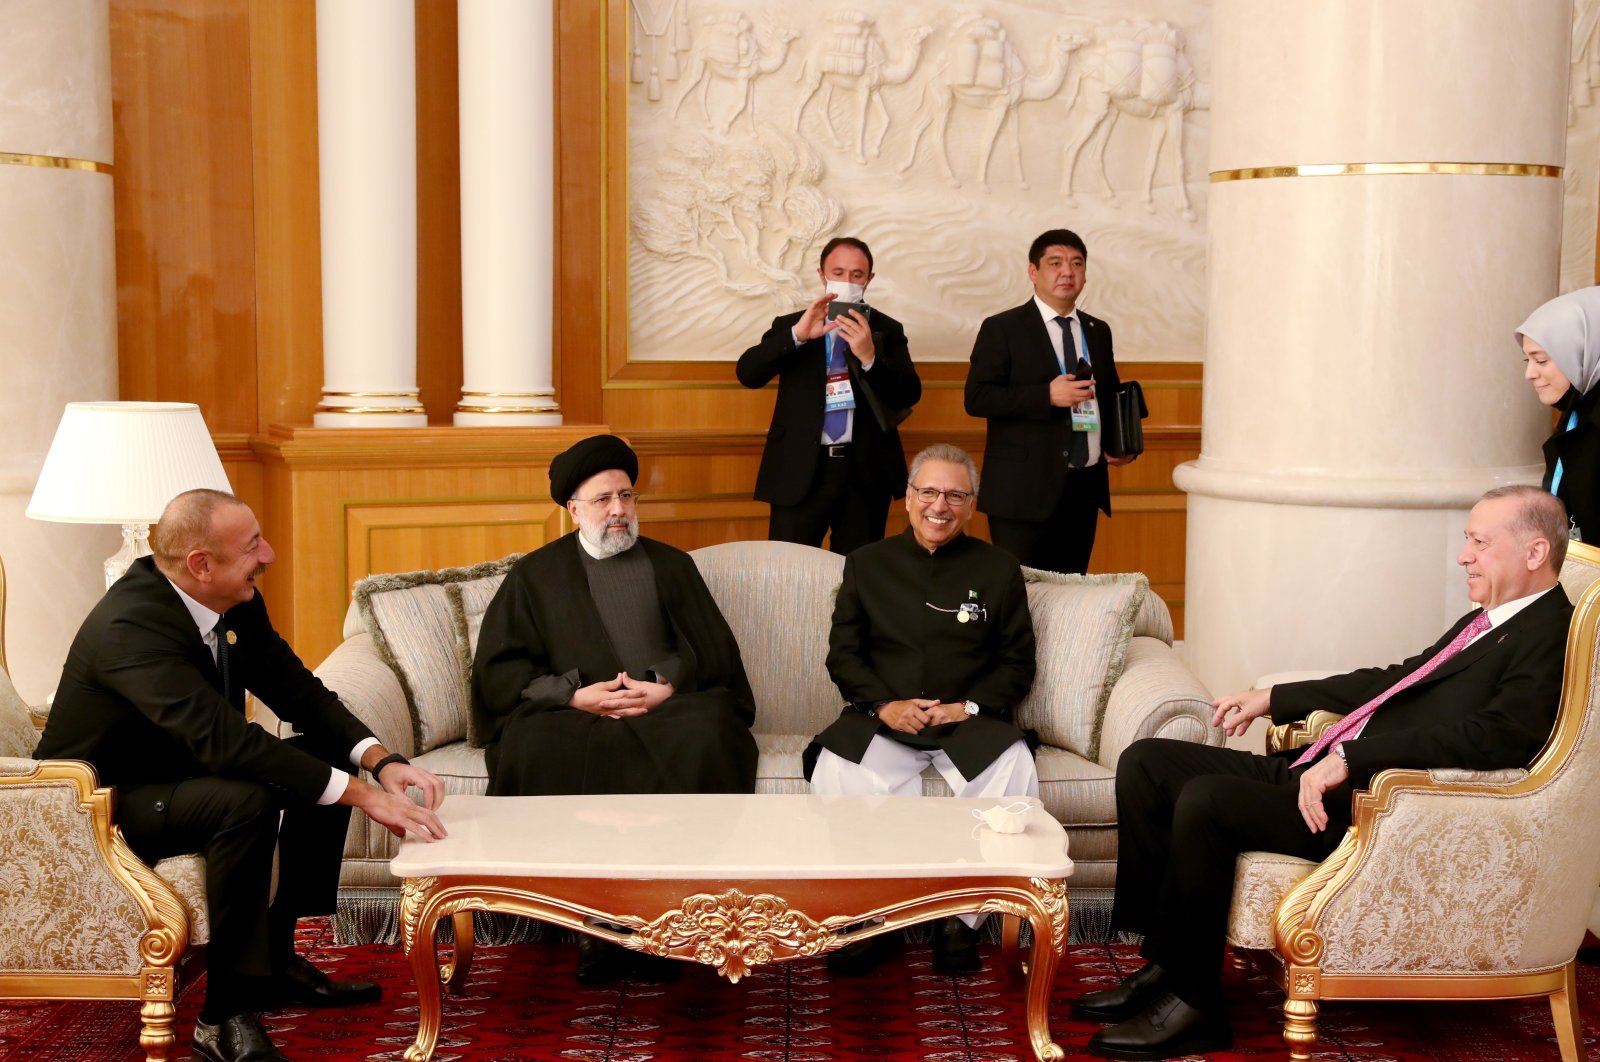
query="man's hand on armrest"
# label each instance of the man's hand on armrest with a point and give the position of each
(1235, 712)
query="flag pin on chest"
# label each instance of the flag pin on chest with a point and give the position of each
(233, 639)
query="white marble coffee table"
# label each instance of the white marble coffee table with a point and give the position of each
(731, 881)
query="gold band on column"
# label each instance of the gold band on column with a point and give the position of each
(323, 407)
(508, 409)
(1373, 169)
(371, 394)
(508, 394)
(53, 162)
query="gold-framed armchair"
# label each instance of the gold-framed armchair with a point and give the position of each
(1449, 884)
(81, 917)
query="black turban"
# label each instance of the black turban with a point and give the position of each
(596, 454)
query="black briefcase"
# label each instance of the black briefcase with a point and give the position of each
(1126, 437)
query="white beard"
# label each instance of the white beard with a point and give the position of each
(612, 543)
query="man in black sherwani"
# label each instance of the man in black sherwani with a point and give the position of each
(605, 666)
(932, 647)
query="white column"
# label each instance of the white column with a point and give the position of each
(58, 308)
(1385, 210)
(367, 145)
(507, 63)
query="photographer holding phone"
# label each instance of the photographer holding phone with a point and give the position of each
(833, 460)
(1043, 374)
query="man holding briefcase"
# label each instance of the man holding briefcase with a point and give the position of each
(1044, 376)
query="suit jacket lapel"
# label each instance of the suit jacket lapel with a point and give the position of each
(1038, 338)
(1491, 640)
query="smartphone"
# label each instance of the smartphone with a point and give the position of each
(839, 306)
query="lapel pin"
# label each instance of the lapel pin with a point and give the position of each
(233, 639)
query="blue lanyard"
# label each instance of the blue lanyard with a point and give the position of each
(1555, 478)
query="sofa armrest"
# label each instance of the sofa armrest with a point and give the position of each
(372, 692)
(1157, 696)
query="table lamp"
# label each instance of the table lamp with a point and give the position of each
(121, 463)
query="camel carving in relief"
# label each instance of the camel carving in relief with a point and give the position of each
(982, 70)
(727, 50)
(855, 59)
(1136, 68)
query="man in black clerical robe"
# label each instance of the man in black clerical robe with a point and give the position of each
(932, 646)
(604, 665)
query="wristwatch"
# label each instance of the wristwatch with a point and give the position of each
(972, 707)
(1338, 750)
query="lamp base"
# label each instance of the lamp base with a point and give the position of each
(135, 544)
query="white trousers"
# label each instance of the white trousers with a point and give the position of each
(891, 769)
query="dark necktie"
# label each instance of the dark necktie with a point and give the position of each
(1078, 455)
(835, 421)
(221, 632)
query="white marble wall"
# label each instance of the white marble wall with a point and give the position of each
(757, 130)
(58, 335)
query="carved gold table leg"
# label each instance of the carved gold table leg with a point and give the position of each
(1049, 944)
(455, 975)
(417, 933)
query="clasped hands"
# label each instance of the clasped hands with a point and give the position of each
(851, 326)
(1234, 714)
(913, 715)
(620, 697)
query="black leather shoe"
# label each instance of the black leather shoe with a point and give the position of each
(863, 956)
(303, 985)
(1111, 1005)
(238, 1039)
(955, 948)
(1168, 1028)
(599, 961)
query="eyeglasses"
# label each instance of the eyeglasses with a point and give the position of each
(955, 498)
(603, 501)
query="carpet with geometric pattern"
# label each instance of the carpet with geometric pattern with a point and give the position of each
(522, 1004)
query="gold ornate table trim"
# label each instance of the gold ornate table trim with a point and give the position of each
(731, 925)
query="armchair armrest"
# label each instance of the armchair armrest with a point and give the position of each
(1157, 696)
(1301, 734)
(81, 901)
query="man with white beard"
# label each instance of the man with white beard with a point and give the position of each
(604, 665)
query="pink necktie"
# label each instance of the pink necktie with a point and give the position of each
(1352, 722)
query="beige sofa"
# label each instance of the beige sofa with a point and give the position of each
(1107, 675)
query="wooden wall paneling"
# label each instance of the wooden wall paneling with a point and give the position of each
(282, 65)
(184, 246)
(343, 503)
(438, 211)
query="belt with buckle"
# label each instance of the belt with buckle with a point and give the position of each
(836, 450)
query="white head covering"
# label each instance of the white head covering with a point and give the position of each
(1568, 328)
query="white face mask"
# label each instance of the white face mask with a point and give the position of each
(846, 291)
(1004, 818)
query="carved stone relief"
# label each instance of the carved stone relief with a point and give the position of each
(947, 137)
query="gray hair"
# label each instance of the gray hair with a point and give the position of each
(1541, 515)
(945, 452)
(185, 526)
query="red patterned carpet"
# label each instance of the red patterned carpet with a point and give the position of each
(522, 1004)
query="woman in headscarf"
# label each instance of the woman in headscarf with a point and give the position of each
(1561, 344)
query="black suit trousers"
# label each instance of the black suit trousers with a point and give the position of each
(1184, 813)
(1062, 542)
(234, 824)
(839, 500)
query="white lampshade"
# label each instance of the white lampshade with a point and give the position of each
(122, 462)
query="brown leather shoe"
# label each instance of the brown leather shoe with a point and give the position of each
(238, 1039)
